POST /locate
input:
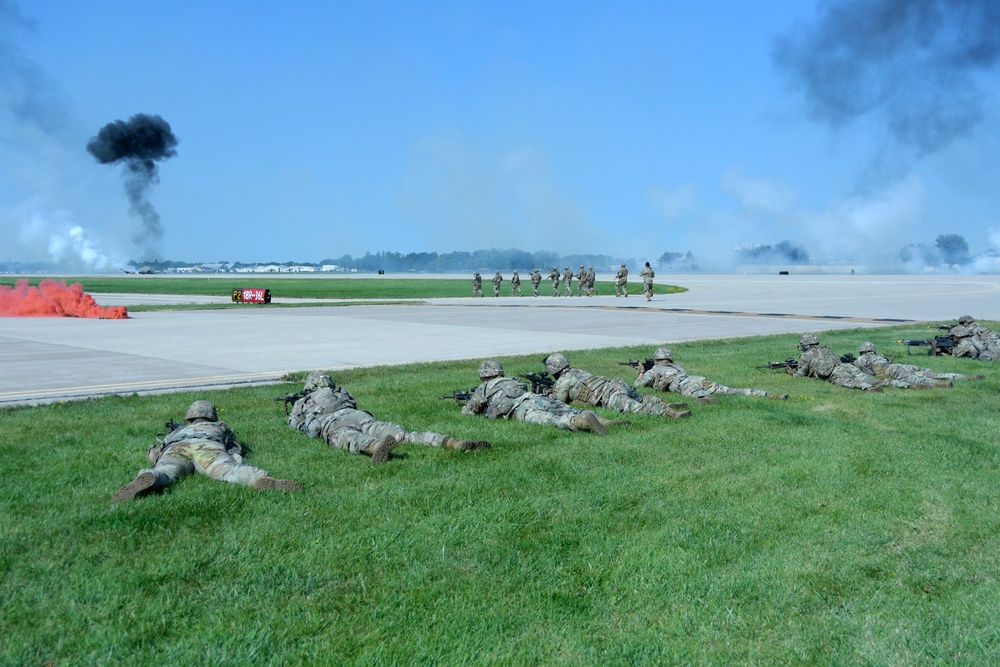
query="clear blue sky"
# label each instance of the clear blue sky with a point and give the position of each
(308, 130)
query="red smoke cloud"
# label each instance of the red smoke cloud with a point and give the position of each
(53, 298)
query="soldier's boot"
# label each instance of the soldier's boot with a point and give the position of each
(975, 378)
(464, 445)
(585, 420)
(707, 400)
(944, 384)
(676, 406)
(380, 450)
(778, 397)
(269, 483)
(678, 414)
(142, 485)
(610, 422)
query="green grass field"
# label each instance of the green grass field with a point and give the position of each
(313, 288)
(834, 528)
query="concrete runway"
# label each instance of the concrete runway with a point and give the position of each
(52, 359)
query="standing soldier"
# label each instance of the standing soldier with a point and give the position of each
(515, 284)
(576, 384)
(205, 445)
(536, 279)
(591, 281)
(647, 276)
(554, 277)
(500, 397)
(621, 281)
(581, 281)
(873, 363)
(497, 281)
(665, 375)
(477, 284)
(567, 281)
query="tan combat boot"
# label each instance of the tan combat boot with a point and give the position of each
(142, 485)
(585, 420)
(271, 484)
(944, 384)
(707, 400)
(679, 414)
(465, 445)
(610, 422)
(778, 397)
(380, 450)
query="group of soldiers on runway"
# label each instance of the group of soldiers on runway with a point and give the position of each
(586, 282)
(324, 410)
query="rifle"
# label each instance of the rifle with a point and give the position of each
(946, 327)
(173, 426)
(790, 362)
(540, 383)
(289, 399)
(938, 345)
(639, 365)
(459, 395)
(848, 358)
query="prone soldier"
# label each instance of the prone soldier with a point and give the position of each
(873, 363)
(821, 363)
(665, 375)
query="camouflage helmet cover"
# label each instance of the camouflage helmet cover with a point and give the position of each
(663, 353)
(556, 363)
(201, 410)
(490, 369)
(960, 332)
(966, 319)
(866, 347)
(317, 380)
(808, 340)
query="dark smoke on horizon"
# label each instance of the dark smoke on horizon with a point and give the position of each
(912, 63)
(139, 144)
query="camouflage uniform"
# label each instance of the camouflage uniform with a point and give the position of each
(873, 363)
(497, 281)
(205, 445)
(515, 284)
(967, 345)
(477, 284)
(536, 279)
(591, 281)
(554, 277)
(822, 363)
(666, 375)
(621, 281)
(499, 397)
(581, 281)
(576, 384)
(330, 412)
(567, 278)
(647, 276)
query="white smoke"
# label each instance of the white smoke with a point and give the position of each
(42, 232)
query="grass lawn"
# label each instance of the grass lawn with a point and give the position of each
(836, 528)
(313, 288)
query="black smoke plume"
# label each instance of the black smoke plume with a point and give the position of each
(139, 143)
(915, 65)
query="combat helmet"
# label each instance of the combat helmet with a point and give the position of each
(866, 347)
(556, 363)
(966, 320)
(808, 340)
(201, 410)
(490, 369)
(960, 332)
(663, 354)
(317, 380)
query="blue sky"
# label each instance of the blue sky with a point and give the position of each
(308, 130)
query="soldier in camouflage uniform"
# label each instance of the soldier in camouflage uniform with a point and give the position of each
(591, 281)
(515, 284)
(873, 363)
(821, 363)
(967, 345)
(621, 281)
(567, 278)
(581, 281)
(554, 277)
(576, 384)
(665, 375)
(328, 411)
(499, 397)
(986, 338)
(497, 281)
(536, 279)
(477, 284)
(205, 445)
(647, 276)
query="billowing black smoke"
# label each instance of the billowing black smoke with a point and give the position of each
(913, 64)
(139, 143)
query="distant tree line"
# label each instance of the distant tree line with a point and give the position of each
(948, 249)
(459, 262)
(783, 252)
